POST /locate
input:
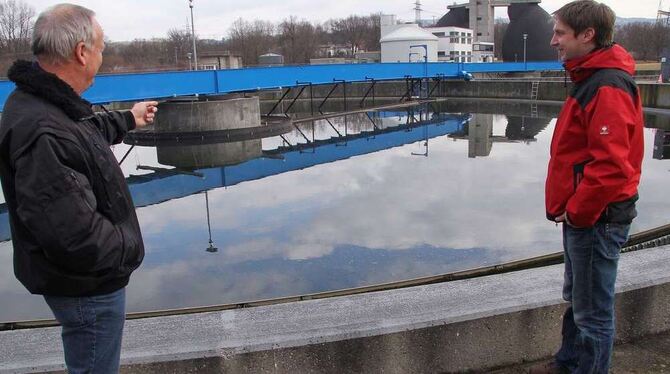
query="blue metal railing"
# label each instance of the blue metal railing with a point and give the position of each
(139, 86)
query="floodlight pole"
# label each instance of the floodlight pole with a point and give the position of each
(195, 53)
(525, 63)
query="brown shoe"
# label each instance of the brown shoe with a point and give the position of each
(551, 367)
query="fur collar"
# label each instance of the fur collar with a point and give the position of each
(31, 78)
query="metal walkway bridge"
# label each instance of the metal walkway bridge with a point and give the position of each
(140, 86)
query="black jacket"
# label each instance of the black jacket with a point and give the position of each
(73, 223)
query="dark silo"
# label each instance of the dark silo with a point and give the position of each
(456, 17)
(528, 19)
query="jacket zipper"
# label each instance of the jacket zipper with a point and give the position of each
(102, 178)
(81, 190)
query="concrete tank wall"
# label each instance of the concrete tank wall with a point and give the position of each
(654, 95)
(194, 116)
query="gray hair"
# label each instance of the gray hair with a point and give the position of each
(59, 29)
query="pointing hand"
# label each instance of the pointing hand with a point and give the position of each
(144, 112)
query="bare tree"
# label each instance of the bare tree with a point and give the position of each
(373, 33)
(351, 31)
(16, 21)
(298, 40)
(179, 42)
(251, 39)
(289, 39)
(644, 40)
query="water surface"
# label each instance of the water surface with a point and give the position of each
(377, 197)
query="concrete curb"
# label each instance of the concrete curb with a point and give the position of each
(449, 327)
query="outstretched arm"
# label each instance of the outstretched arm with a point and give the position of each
(115, 124)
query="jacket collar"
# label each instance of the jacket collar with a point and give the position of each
(613, 57)
(31, 78)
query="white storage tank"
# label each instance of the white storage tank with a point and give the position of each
(270, 59)
(397, 45)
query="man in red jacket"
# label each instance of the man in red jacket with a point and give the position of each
(594, 171)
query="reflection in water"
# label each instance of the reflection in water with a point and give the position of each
(480, 132)
(341, 203)
(209, 155)
(657, 121)
(211, 248)
(480, 137)
(525, 128)
(662, 144)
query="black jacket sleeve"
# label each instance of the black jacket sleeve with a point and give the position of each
(114, 125)
(57, 205)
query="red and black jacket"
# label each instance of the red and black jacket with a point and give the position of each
(598, 145)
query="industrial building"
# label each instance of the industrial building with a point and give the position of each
(399, 42)
(406, 42)
(454, 43)
(217, 60)
(527, 36)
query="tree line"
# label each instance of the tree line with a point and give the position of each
(298, 40)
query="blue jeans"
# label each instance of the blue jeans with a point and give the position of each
(591, 259)
(92, 330)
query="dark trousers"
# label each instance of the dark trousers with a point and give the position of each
(591, 260)
(92, 330)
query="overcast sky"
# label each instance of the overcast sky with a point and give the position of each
(132, 19)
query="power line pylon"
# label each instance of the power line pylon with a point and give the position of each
(663, 16)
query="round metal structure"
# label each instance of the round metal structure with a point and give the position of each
(537, 24)
(458, 17)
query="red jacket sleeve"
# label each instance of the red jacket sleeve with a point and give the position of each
(611, 119)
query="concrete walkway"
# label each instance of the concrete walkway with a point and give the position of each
(460, 326)
(650, 354)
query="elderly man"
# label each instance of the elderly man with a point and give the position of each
(75, 234)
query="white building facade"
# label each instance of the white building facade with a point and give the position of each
(483, 52)
(409, 43)
(454, 44)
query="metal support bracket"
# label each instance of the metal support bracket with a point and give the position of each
(327, 97)
(311, 95)
(279, 102)
(371, 89)
(410, 84)
(302, 88)
(438, 83)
